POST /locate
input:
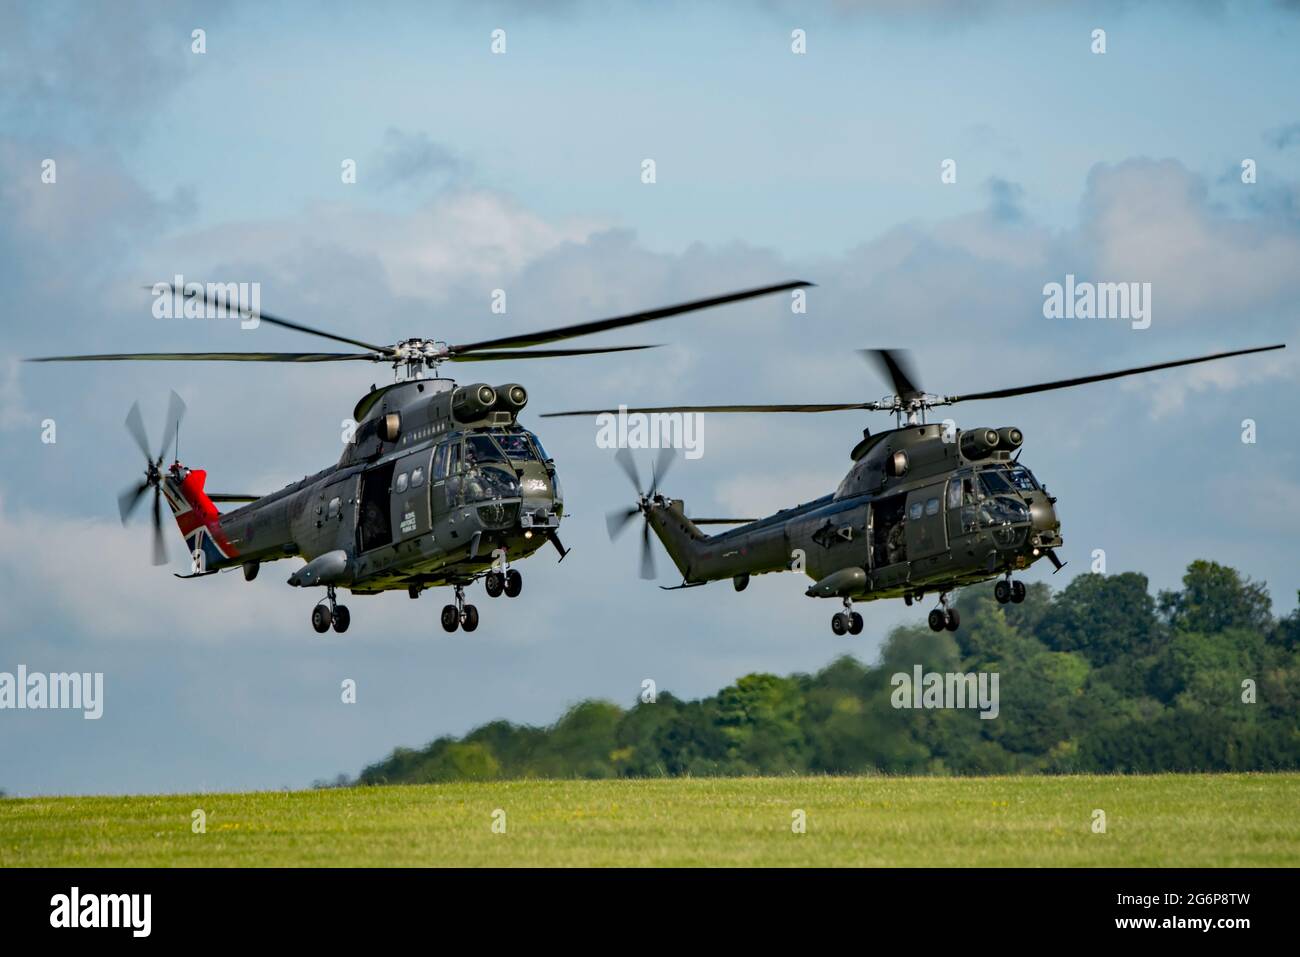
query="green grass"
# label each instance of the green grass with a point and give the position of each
(1163, 820)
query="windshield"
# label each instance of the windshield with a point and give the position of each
(1008, 481)
(516, 445)
(537, 444)
(479, 450)
(488, 483)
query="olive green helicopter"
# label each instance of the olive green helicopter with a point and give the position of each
(925, 508)
(438, 485)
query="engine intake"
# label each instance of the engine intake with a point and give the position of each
(511, 397)
(979, 443)
(473, 402)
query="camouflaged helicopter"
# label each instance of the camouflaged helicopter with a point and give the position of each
(440, 484)
(923, 510)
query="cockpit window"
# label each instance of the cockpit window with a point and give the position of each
(516, 445)
(480, 449)
(537, 444)
(1017, 478)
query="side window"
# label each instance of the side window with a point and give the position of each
(915, 511)
(335, 506)
(440, 462)
(401, 483)
(417, 477)
(453, 459)
(954, 493)
(932, 506)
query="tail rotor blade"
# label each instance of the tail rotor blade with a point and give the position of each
(625, 461)
(647, 554)
(135, 425)
(175, 412)
(662, 464)
(159, 546)
(616, 521)
(129, 499)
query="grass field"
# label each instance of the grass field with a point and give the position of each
(1166, 820)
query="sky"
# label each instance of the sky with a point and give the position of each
(522, 171)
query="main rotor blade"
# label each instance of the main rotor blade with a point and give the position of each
(628, 464)
(539, 353)
(647, 555)
(834, 407)
(214, 357)
(722, 521)
(129, 499)
(159, 546)
(228, 497)
(544, 336)
(616, 521)
(234, 310)
(895, 366)
(135, 425)
(175, 412)
(1100, 377)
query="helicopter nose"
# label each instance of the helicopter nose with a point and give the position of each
(1042, 514)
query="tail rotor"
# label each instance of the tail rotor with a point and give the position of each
(129, 499)
(616, 521)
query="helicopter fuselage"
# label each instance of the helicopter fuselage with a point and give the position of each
(921, 511)
(438, 484)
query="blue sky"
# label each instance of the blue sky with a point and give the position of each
(521, 172)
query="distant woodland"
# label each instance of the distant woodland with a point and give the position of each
(1100, 676)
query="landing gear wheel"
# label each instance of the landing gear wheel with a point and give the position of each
(938, 620)
(494, 583)
(469, 618)
(953, 620)
(450, 618)
(342, 618)
(320, 619)
(855, 624)
(1018, 592)
(514, 583)
(1002, 591)
(839, 623)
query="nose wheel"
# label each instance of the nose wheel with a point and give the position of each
(1010, 591)
(329, 613)
(944, 616)
(459, 615)
(847, 621)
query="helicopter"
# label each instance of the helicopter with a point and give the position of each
(439, 485)
(924, 509)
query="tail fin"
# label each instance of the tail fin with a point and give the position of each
(682, 539)
(749, 549)
(198, 519)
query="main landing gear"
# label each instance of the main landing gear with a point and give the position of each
(847, 621)
(324, 615)
(509, 581)
(459, 615)
(1009, 591)
(944, 617)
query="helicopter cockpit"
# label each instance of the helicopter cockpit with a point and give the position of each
(506, 474)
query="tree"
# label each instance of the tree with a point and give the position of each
(1215, 598)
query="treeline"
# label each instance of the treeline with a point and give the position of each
(1100, 677)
